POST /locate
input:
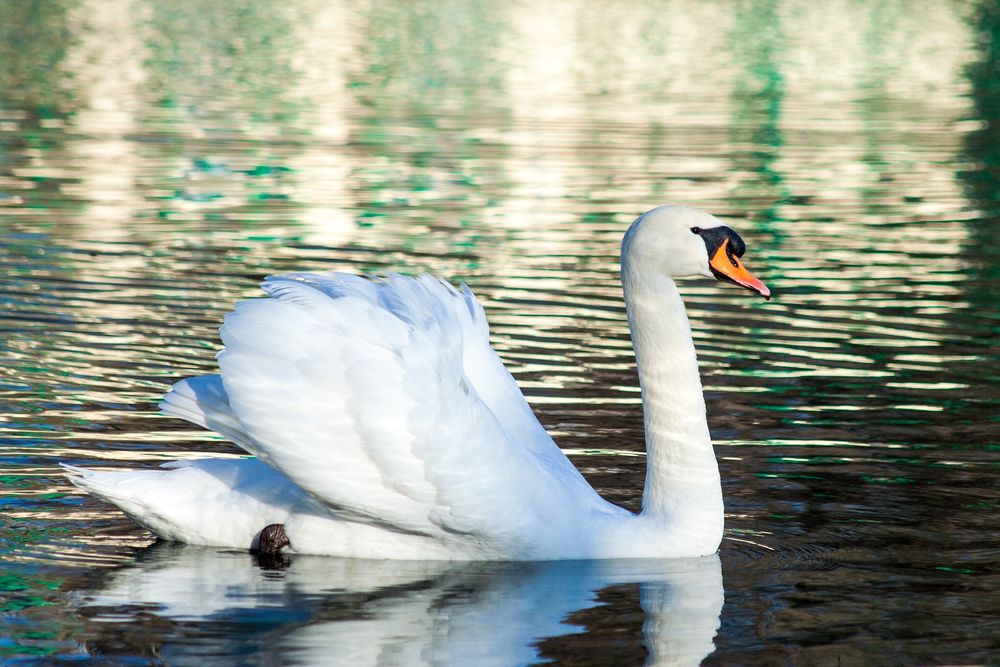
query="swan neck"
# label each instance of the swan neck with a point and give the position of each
(682, 475)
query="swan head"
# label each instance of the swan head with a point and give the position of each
(682, 241)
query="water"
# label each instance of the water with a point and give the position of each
(158, 159)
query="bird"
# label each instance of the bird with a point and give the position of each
(381, 424)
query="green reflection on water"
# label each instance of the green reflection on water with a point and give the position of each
(420, 54)
(244, 48)
(982, 181)
(34, 40)
(758, 47)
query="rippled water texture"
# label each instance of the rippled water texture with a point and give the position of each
(158, 159)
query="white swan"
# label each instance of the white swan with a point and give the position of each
(384, 425)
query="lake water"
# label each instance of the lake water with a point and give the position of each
(158, 159)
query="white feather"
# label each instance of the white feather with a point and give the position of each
(385, 426)
(372, 381)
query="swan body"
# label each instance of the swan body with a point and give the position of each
(383, 425)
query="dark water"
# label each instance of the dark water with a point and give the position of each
(158, 159)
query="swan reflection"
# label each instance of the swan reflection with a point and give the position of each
(327, 611)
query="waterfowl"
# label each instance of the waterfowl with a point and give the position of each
(382, 424)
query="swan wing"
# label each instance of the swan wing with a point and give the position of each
(383, 399)
(203, 401)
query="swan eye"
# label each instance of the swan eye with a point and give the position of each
(696, 230)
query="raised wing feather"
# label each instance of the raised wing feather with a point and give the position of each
(384, 400)
(203, 401)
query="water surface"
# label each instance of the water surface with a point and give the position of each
(158, 159)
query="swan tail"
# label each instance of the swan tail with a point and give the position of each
(212, 502)
(129, 491)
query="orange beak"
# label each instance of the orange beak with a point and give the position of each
(727, 266)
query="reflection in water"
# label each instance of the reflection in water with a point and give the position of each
(191, 47)
(326, 611)
(34, 40)
(158, 159)
(758, 97)
(982, 145)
